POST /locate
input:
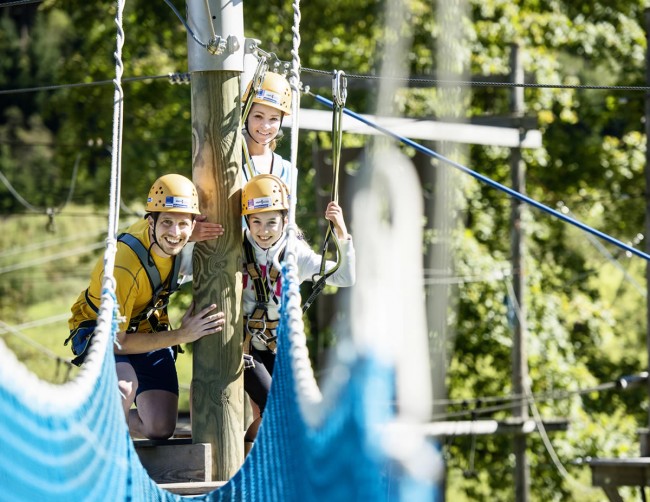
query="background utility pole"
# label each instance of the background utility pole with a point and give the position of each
(217, 383)
(645, 442)
(519, 356)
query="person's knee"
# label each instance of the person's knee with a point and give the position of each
(159, 427)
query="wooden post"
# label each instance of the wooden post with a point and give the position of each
(217, 383)
(519, 356)
(646, 16)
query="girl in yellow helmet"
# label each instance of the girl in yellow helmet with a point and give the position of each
(262, 128)
(265, 202)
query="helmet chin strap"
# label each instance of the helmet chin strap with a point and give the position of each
(154, 239)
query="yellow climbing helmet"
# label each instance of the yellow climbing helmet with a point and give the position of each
(275, 92)
(262, 193)
(173, 193)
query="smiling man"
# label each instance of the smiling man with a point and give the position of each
(146, 274)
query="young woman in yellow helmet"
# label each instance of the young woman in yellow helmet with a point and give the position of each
(146, 268)
(265, 202)
(262, 128)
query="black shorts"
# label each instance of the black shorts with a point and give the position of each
(156, 370)
(257, 380)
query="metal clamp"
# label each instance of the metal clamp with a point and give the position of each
(251, 45)
(339, 87)
(218, 45)
(179, 78)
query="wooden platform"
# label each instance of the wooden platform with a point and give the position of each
(175, 460)
(610, 473)
(192, 488)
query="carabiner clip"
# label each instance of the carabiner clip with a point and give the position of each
(339, 87)
(254, 331)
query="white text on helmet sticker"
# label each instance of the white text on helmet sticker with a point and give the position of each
(271, 97)
(260, 203)
(181, 202)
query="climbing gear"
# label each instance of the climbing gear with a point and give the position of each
(259, 90)
(254, 85)
(249, 362)
(81, 336)
(264, 192)
(339, 95)
(257, 325)
(273, 90)
(173, 193)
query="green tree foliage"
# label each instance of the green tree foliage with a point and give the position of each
(586, 318)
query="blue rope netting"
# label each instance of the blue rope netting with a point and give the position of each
(66, 453)
(85, 452)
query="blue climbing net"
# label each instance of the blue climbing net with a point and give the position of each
(71, 442)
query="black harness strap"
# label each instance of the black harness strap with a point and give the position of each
(161, 292)
(159, 300)
(257, 324)
(152, 272)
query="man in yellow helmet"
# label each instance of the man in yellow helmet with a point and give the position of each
(146, 274)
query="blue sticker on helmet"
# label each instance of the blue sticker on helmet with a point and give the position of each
(178, 202)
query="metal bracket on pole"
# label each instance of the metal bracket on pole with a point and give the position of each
(222, 52)
(218, 45)
(275, 64)
(251, 45)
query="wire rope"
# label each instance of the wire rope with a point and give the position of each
(6, 328)
(488, 181)
(16, 3)
(48, 210)
(488, 83)
(530, 399)
(184, 78)
(182, 20)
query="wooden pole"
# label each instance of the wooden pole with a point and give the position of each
(217, 373)
(519, 356)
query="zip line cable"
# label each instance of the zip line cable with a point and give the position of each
(19, 3)
(83, 84)
(611, 258)
(544, 396)
(39, 246)
(6, 328)
(53, 257)
(49, 210)
(17, 196)
(486, 180)
(487, 83)
(184, 78)
(509, 404)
